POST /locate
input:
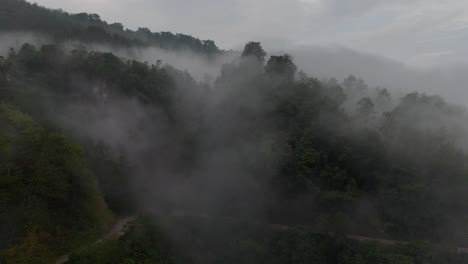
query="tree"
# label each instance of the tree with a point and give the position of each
(209, 46)
(255, 50)
(355, 84)
(117, 26)
(37, 247)
(365, 106)
(384, 94)
(21, 15)
(384, 99)
(3, 71)
(282, 67)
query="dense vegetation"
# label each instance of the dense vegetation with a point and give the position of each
(143, 243)
(86, 135)
(48, 195)
(241, 243)
(19, 15)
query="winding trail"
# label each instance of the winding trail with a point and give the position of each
(118, 230)
(384, 241)
(463, 250)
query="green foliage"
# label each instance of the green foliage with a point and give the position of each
(38, 247)
(281, 67)
(398, 174)
(303, 246)
(47, 195)
(107, 251)
(19, 15)
(143, 243)
(255, 50)
(365, 106)
(24, 123)
(106, 73)
(207, 241)
(112, 173)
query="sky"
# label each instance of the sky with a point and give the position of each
(421, 33)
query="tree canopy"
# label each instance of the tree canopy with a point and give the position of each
(87, 135)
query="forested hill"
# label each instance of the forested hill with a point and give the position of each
(263, 143)
(20, 15)
(87, 136)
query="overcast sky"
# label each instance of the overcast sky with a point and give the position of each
(416, 32)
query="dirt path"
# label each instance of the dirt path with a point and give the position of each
(285, 228)
(119, 227)
(380, 240)
(118, 230)
(393, 242)
(384, 241)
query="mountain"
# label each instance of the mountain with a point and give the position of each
(264, 164)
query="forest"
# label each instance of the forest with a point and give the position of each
(213, 168)
(19, 15)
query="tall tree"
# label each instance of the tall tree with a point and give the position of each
(254, 49)
(282, 67)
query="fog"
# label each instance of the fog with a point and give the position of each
(14, 40)
(449, 81)
(220, 149)
(345, 120)
(208, 128)
(322, 62)
(200, 67)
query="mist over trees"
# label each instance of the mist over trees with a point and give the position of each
(20, 15)
(87, 137)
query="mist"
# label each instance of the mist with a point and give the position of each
(216, 178)
(331, 125)
(339, 62)
(322, 62)
(219, 149)
(200, 67)
(141, 133)
(14, 40)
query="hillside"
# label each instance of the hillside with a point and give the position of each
(86, 136)
(20, 15)
(48, 195)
